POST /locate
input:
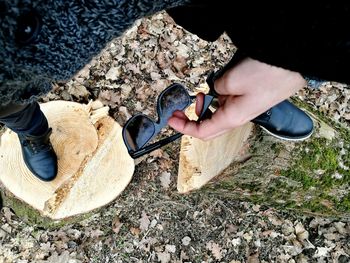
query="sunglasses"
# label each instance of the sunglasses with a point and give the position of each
(140, 129)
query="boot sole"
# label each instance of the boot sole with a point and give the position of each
(290, 139)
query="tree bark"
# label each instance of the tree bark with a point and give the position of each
(309, 177)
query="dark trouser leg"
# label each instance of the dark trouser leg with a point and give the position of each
(24, 119)
(31, 125)
(11, 109)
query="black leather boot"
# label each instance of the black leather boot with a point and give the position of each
(286, 121)
(33, 132)
(39, 155)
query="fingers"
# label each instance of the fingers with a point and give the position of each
(206, 129)
(199, 103)
(236, 111)
(180, 115)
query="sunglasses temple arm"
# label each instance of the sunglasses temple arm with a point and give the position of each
(155, 146)
(206, 113)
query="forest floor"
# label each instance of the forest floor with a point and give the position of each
(150, 221)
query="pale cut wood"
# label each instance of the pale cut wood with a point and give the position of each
(94, 166)
(201, 161)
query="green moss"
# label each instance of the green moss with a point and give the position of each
(33, 217)
(277, 147)
(315, 206)
(307, 185)
(317, 156)
(299, 176)
(251, 186)
(226, 184)
(344, 204)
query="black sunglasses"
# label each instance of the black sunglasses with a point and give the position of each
(140, 129)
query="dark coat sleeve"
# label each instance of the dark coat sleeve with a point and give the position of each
(312, 38)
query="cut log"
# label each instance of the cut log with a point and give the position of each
(200, 161)
(94, 166)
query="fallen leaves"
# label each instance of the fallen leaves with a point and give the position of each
(186, 240)
(163, 257)
(165, 180)
(116, 225)
(301, 233)
(135, 231)
(127, 77)
(77, 90)
(215, 249)
(144, 221)
(110, 98)
(113, 73)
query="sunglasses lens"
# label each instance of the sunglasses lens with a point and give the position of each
(138, 132)
(175, 98)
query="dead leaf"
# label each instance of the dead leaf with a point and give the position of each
(236, 241)
(163, 60)
(341, 228)
(144, 221)
(157, 153)
(248, 236)
(215, 249)
(322, 252)
(78, 90)
(170, 248)
(163, 257)
(180, 64)
(301, 233)
(113, 73)
(159, 85)
(254, 258)
(109, 97)
(135, 231)
(165, 180)
(96, 233)
(116, 225)
(183, 256)
(84, 73)
(274, 220)
(287, 228)
(8, 214)
(155, 76)
(123, 110)
(347, 116)
(55, 258)
(332, 236)
(133, 68)
(186, 241)
(3, 234)
(182, 49)
(126, 89)
(138, 106)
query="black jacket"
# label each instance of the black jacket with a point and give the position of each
(42, 41)
(311, 38)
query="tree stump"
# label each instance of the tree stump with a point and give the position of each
(309, 177)
(94, 166)
(201, 161)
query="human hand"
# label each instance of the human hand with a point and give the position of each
(246, 90)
